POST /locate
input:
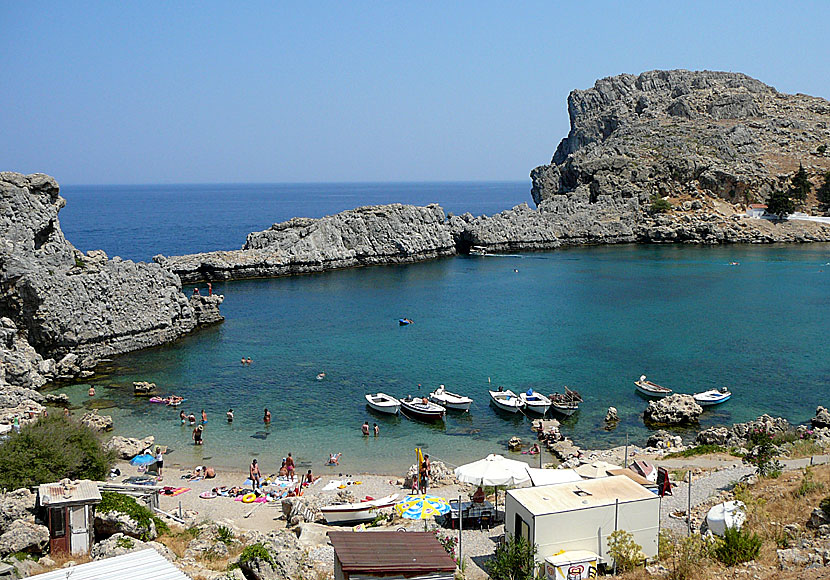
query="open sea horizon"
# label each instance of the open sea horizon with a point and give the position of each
(592, 318)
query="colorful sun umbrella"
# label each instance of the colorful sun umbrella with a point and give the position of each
(422, 507)
(144, 459)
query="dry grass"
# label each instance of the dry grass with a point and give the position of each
(62, 558)
(805, 448)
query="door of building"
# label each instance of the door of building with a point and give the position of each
(79, 526)
(58, 537)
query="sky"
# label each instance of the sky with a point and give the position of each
(222, 92)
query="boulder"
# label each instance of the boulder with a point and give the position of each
(664, 440)
(673, 410)
(110, 523)
(97, 422)
(128, 447)
(611, 416)
(143, 388)
(286, 558)
(119, 544)
(440, 474)
(313, 535)
(796, 559)
(24, 536)
(514, 444)
(16, 505)
(564, 449)
(822, 418)
(713, 436)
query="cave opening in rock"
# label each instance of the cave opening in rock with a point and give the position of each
(42, 236)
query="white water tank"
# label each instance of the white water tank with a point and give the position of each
(729, 514)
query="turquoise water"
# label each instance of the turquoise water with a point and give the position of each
(591, 318)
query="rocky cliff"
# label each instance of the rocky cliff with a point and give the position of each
(58, 304)
(681, 135)
(386, 234)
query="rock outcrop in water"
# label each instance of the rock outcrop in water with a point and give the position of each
(63, 310)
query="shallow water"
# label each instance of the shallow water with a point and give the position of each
(591, 318)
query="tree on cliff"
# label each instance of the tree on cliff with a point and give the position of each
(51, 449)
(800, 185)
(823, 192)
(781, 204)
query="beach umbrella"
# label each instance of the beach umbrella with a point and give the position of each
(422, 507)
(144, 459)
(493, 470)
(596, 469)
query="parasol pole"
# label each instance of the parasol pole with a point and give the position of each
(460, 526)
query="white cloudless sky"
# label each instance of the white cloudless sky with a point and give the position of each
(198, 92)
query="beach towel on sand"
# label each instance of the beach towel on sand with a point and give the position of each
(333, 484)
(262, 499)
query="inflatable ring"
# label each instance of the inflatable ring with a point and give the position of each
(207, 495)
(248, 498)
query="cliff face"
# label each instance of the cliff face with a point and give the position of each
(387, 234)
(681, 134)
(58, 302)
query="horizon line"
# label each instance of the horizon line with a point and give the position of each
(369, 182)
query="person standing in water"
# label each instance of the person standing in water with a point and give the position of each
(230, 415)
(204, 417)
(267, 417)
(365, 428)
(377, 430)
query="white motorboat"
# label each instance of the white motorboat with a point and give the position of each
(452, 401)
(421, 408)
(535, 402)
(506, 401)
(478, 251)
(364, 511)
(712, 397)
(650, 389)
(566, 403)
(383, 403)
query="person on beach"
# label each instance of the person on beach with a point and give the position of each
(66, 412)
(308, 478)
(16, 424)
(91, 391)
(424, 472)
(204, 417)
(377, 429)
(159, 461)
(283, 472)
(255, 474)
(191, 419)
(479, 495)
(230, 415)
(196, 292)
(210, 289)
(197, 435)
(365, 428)
(289, 465)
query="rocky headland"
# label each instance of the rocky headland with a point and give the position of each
(61, 310)
(707, 143)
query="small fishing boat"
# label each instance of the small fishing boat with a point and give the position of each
(383, 403)
(535, 402)
(650, 389)
(404, 321)
(321, 376)
(452, 401)
(712, 397)
(421, 408)
(364, 511)
(506, 401)
(566, 403)
(478, 251)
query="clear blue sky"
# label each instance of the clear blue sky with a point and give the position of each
(134, 92)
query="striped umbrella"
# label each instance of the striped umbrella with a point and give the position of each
(422, 507)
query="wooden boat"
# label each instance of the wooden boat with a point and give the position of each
(451, 401)
(535, 402)
(383, 403)
(712, 397)
(478, 251)
(506, 401)
(364, 511)
(650, 389)
(421, 408)
(566, 403)
(404, 321)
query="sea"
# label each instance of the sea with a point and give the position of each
(749, 317)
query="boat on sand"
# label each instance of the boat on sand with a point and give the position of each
(383, 403)
(535, 402)
(650, 389)
(452, 401)
(712, 397)
(363, 511)
(506, 401)
(421, 408)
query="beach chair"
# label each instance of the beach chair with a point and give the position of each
(664, 485)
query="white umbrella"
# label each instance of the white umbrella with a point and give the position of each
(596, 469)
(493, 470)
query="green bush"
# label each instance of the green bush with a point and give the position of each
(808, 484)
(699, 450)
(659, 205)
(738, 545)
(51, 449)
(626, 552)
(763, 454)
(256, 551)
(515, 559)
(124, 504)
(225, 535)
(824, 505)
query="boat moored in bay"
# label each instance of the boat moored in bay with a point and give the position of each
(652, 390)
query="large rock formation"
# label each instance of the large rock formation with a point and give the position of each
(692, 136)
(56, 301)
(675, 409)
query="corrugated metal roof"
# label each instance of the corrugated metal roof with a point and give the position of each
(563, 497)
(83, 491)
(143, 565)
(375, 552)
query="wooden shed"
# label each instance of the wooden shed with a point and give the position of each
(411, 555)
(69, 508)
